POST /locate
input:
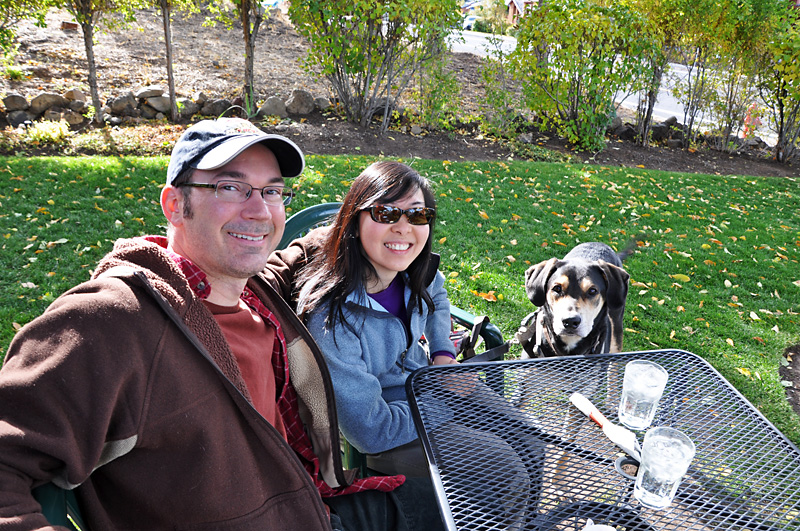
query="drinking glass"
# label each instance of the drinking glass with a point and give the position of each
(666, 455)
(642, 387)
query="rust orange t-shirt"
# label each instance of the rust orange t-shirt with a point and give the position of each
(252, 342)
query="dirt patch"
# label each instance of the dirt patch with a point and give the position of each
(791, 373)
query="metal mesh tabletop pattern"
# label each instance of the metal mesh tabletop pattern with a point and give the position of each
(508, 451)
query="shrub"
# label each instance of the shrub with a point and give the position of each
(47, 132)
(572, 57)
(370, 50)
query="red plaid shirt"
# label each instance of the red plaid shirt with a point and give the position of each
(296, 434)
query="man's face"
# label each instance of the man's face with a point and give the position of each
(230, 242)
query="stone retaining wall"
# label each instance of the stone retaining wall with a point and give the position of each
(147, 103)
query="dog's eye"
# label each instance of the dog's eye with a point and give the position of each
(592, 291)
(557, 288)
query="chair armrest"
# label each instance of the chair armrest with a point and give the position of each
(491, 334)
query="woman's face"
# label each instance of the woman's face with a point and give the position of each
(391, 248)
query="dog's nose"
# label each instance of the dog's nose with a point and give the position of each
(572, 322)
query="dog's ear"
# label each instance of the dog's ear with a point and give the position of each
(617, 285)
(536, 278)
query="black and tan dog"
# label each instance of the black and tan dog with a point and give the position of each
(580, 300)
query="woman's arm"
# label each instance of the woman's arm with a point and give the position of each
(366, 419)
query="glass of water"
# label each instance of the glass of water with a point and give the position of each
(666, 455)
(642, 387)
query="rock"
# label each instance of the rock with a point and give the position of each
(322, 103)
(75, 94)
(113, 120)
(674, 143)
(200, 98)
(17, 118)
(281, 128)
(53, 114)
(672, 121)
(526, 138)
(274, 106)
(45, 100)
(301, 102)
(754, 143)
(416, 130)
(677, 133)
(159, 103)
(73, 118)
(626, 132)
(160, 116)
(187, 107)
(148, 112)
(79, 106)
(615, 124)
(123, 105)
(56, 114)
(659, 132)
(215, 107)
(149, 92)
(15, 102)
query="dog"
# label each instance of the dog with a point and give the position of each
(580, 302)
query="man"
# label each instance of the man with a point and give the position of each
(176, 389)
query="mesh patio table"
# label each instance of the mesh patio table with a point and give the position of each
(507, 450)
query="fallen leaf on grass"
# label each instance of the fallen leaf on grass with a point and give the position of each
(491, 297)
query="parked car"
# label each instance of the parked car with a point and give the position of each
(469, 21)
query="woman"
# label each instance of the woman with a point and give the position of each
(370, 292)
(369, 289)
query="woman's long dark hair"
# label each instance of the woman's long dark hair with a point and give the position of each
(340, 266)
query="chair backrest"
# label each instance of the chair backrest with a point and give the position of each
(60, 507)
(303, 222)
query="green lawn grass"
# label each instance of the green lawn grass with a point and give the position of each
(715, 273)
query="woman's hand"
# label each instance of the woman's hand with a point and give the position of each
(444, 360)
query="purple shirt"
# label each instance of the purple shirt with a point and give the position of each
(393, 299)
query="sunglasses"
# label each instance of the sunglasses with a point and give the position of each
(390, 214)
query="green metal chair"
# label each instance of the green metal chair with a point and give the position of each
(60, 507)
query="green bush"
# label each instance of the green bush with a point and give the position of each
(572, 57)
(370, 50)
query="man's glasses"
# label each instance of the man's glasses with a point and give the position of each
(239, 192)
(390, 214)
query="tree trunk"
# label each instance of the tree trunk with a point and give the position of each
(250, 33)
(652, 95)
(88, 40)
(173, 103)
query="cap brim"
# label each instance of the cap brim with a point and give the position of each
(290, 158)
